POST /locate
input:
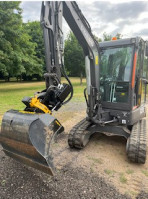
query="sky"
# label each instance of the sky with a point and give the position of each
(130, 18)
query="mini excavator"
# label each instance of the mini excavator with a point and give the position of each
(117, 77)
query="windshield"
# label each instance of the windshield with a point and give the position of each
(115, 73)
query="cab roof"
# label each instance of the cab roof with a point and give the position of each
(120, 42)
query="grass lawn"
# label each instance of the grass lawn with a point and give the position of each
(12, 93)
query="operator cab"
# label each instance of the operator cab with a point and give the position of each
(123, 73)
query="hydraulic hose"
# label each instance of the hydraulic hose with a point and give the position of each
(68, 80)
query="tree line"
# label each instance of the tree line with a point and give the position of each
(22, 47)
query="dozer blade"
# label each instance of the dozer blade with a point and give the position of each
(27, 137)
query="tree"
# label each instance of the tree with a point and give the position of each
(97, 38)
(107, 37)
(9, 23)
(32, 64)
(74, 57)
(35, 32)
(119, 36)
(17, 52)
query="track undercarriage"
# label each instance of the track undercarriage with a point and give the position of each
(136, 145)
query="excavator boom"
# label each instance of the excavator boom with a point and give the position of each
(27, 135)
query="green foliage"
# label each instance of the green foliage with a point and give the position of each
(17, 52)
(109, 172)
(35, 31)
(107, 37)
(97, 38)
(119, 36)
(74, 57)
(9, 23)
(122, 178)
(130, 171)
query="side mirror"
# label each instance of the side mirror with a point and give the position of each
(146, 49)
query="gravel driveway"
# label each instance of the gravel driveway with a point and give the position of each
(18, 181)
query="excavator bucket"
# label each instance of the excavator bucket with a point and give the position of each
(27, 137)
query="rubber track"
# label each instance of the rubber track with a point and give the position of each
(136, 143)
(79, 136)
